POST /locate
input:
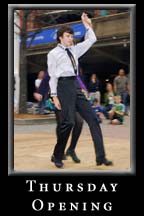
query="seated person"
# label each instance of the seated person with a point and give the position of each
(116, 114)
(41, 93)
(108, 100)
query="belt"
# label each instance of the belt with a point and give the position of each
(67, 78)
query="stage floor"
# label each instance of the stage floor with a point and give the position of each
(33, 147)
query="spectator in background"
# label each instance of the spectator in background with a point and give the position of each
(98, 109)
(108, 100)
(94, 88)
(111, 12)
(43, 88)
(103, 12)
(39, 79)
(122, 87)
(116, 114)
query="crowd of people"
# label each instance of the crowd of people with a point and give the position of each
(105, 12)
(105, 110)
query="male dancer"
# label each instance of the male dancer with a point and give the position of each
(67, 96)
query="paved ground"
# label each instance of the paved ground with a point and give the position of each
(33, 146)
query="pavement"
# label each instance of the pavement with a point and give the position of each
(33, 147)
(34, 119)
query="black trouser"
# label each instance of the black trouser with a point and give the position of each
(72, 99)
(76, 130)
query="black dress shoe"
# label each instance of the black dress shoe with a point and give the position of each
(105, 162)
(58, 163)
(73, 155)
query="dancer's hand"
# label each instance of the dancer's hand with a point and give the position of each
(56, 103)
(86, 21)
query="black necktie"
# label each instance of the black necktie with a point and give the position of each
(72, 60)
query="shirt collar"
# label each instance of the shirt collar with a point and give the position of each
(63, 47)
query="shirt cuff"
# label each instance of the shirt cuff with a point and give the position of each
(53, 94)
